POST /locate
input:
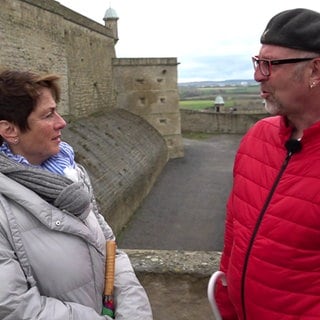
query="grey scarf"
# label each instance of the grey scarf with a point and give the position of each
(58, 190)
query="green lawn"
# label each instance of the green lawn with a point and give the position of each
(196, 104)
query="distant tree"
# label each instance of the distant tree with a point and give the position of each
(189, 92)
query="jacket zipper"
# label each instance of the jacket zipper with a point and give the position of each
(256, 228)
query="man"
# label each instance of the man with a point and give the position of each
(271, 254)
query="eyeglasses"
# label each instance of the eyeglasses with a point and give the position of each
(264, 65)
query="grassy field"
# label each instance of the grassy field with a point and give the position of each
(201, 104)
(243, 99)
(195, 104)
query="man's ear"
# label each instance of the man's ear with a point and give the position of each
(315, 74)
(9, 131)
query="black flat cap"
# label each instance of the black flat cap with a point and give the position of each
(296, 29)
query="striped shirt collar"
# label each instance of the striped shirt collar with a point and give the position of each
(56, 163)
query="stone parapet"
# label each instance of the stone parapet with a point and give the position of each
(218, 122)
(176, 281)
(58, 9)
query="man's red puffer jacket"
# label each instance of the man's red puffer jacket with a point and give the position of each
(271, 255)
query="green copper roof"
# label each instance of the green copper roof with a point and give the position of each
(110, 14)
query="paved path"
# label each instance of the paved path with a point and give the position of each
(185, 210)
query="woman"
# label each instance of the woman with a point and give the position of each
(52, 237)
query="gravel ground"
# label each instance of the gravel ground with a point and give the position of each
(185, 210)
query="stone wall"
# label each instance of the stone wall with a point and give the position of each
(123, 154)
(214, 122)
(176, 281)
(44, 36)
(47, 37)
(148, 87)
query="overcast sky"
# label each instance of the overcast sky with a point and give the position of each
(212, 40)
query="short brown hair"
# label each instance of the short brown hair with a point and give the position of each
(19, 93)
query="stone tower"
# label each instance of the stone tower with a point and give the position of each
(111, 22)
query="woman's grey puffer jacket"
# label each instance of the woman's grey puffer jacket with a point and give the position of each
(63, 259)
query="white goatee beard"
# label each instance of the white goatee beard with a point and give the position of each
(271, 107)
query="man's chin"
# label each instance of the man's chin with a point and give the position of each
(271, 108)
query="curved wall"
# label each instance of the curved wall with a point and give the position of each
(123, 154)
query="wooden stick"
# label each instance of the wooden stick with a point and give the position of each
(110, 268)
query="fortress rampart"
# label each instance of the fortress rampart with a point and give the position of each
(45, 36)
(148, 87)
(97, 88)
(123, 154)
